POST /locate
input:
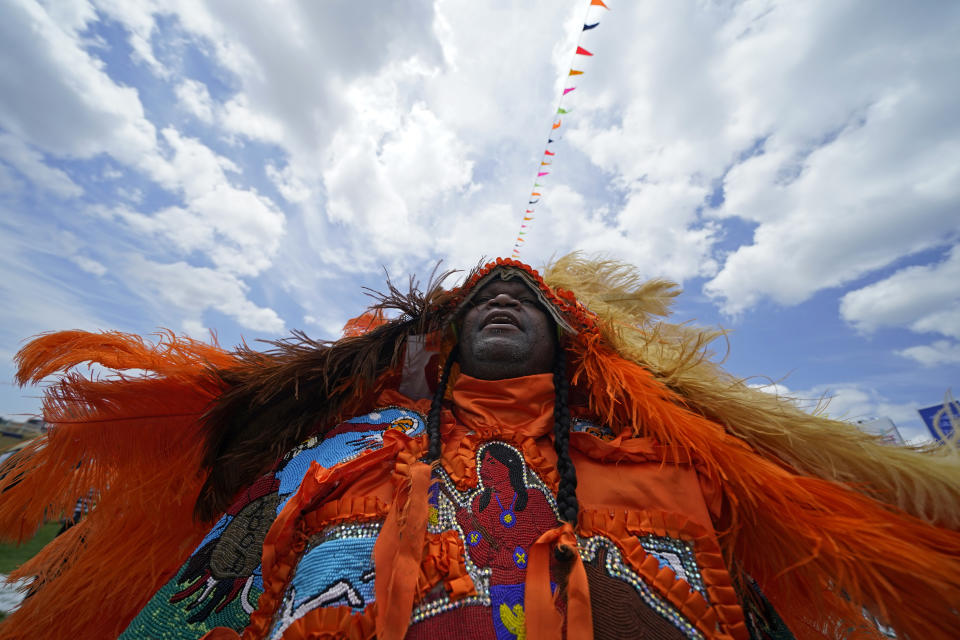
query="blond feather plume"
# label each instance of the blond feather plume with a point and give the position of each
(923, 481)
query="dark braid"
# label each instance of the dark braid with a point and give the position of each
(567, 492)
(433, 418)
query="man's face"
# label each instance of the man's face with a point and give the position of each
(506, 333)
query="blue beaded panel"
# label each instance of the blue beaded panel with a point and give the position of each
(335, 570)
(345, 442)
(585, 426)
(616, 567)
(678, 555)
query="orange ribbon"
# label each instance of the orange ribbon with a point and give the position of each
(543, 620)
(398, 552)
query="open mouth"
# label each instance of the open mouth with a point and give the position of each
(501, 320)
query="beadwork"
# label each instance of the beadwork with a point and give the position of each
(447, 499)
(336, 569)
(617, 568)
(679, 556)
(585, 426)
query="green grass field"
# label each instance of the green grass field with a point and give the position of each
(12, 556)
(7, 441)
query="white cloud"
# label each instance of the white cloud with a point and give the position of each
(195, 98)
(923, 298)
(138, 18)
(237, 117)
(30, 163)
(331, 325)
(195, 329)
(853, 402)
(936, 353)
(239, 229)
(857, 402)
(195, 289)
(882, 122)
(291, 187)
(57, 97)
(89, 265)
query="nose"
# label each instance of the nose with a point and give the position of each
(504, 300)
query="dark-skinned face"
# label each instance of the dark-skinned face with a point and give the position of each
(506, 333)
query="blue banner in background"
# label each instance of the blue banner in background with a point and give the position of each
(943, 426)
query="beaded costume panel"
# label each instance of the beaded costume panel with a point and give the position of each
(221, 581)
(494, 523)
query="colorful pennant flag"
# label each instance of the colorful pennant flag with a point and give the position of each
(557, 123)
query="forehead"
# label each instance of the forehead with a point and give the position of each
(513, 287)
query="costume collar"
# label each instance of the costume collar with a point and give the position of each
(519, 406)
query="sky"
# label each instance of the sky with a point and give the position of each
(247, 167)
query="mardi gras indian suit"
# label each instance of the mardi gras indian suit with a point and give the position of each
(365, 488)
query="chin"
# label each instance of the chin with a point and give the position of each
(501, 352)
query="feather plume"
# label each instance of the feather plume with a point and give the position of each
(918, 480)
(131, 441)
(276, 399)
(820, 549)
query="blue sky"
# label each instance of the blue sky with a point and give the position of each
(247, 167)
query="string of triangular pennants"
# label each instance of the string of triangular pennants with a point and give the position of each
(546, 161)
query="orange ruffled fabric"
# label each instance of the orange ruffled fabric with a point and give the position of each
(444, 559)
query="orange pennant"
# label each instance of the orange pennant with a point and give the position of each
(534, 194)
(556, 125)
(599, 3)
(574, 72)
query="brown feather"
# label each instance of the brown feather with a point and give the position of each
(276, 399)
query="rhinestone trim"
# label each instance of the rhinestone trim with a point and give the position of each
(616, 567)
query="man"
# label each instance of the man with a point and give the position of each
(503, 460)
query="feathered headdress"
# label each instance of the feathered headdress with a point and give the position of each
(829, 521)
